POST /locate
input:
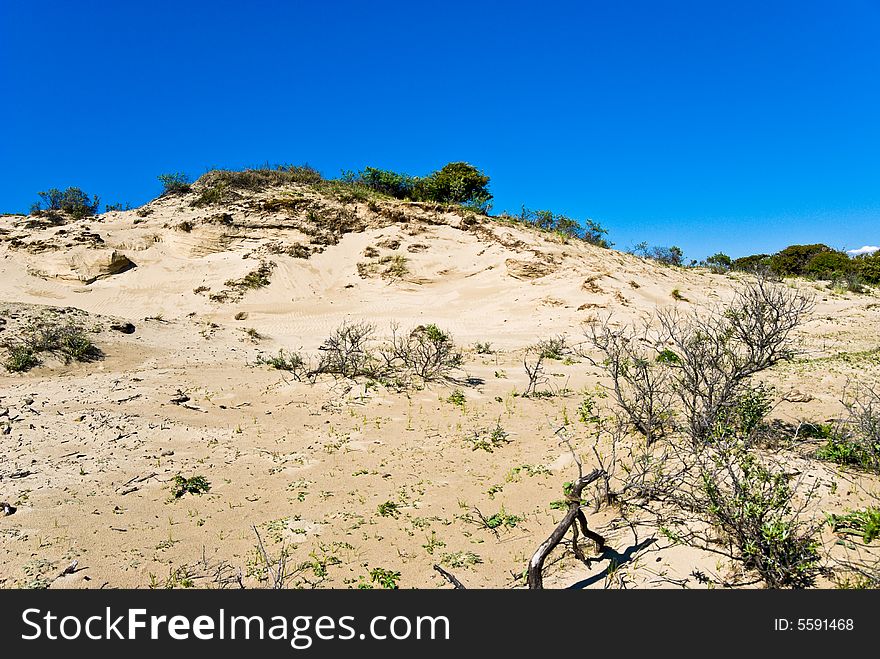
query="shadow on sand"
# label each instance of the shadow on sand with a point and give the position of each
(615, 560)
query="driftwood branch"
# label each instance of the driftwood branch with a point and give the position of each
(450, 578)
(573, 515)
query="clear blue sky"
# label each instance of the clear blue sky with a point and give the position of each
(736, 126)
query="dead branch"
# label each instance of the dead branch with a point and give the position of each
(450, 578)
(574, 514)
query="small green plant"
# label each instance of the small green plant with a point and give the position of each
(678, 295)
(195, 485)
(388, 509)
(865, 523)
(457, 398)
(433, 543)
(385, 578)
(290, 361)
(847, 451)
(553, 348)
(514, 475)
(587, 410)
(668, 357)
(490, 439)
(502, 519)
(483, 348)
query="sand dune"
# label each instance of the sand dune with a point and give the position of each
(91, 449)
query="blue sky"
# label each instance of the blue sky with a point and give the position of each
(733, 126)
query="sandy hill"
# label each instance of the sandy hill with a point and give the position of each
(345, 477)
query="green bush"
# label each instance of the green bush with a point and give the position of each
(752, 506)
(385, 578)
(385, 182)
(176, 183)
(718, 263)
(21, 358)
(588, 230)
(826, 265)
(291, 361)
(793, 260)
(455, 183)
(667, 255)
(72, 201)
(751, 263)
(216, 181)
(868, 266)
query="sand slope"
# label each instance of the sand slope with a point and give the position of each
(89, 450)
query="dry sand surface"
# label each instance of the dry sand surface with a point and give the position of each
(344, 476)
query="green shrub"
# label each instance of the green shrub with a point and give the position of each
(400, 186)
(176, 183)
(718, 263)
(261, 177)
(427, 353)
(588, 230)
(827, 265)
(849, 451)
(850, 281)
(667, 255)
(868, 266)
(752, 263)
(259, 277)
(72, 201)
(457, 398)
(292, 361)
(553, 348)
(460, 559)
(752, 506)
(455, 183)
(793, 260)
(502, 519)
(20, 358)
(488, 439)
